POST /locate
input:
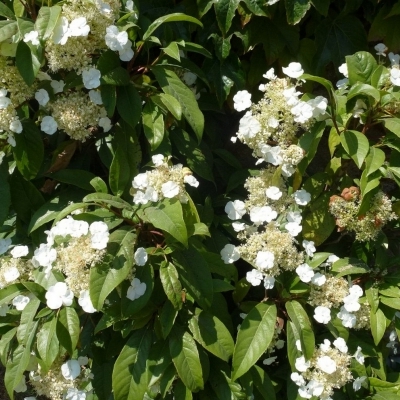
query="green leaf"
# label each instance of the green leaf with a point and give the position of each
(167, 317)
(29, 151)
(26, 322)
(77, 177)
(360, 66)
(374, 160)
(168, 217)
(6, 12)
(127, 157)
(172, 85)
(47, 20)
(172, 50)
(5, 195)
(172, 104)
(18, 362)
(378, 325)
(318, 223)
(356, 146)
(153, 124)
(324, 82)
(186, 359)
(322, 6)
(195, 157)
(169, 18)
(47, 343)
(254, 337)
(104, 278)
(106, 198)
(212, 334)
(7, 29)
(385, 395)
(263, 383)
(129, 104)
(27, 63)
(25, 198)
(181, 392)
(99, 185)
(109, 97)
(129, 377)
(170, 281)
(68, 329)
(336, 38)
(225, 12)
(195, 275)
(362, 88)
(393, 125)
(9, 292)
(391, 302)
(257, 7)
(302, 323)
(296, 10)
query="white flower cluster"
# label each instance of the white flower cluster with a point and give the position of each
(164, 181)
(65, 379)
(328, 369)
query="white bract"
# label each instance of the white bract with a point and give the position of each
(293, 70)
(305, 272)
(340, 344)
(348, 320)
(20, 302)
(258, 215)
(309, 247)
(91, 78)
(60, 32)
(301, 364)
(235, 209)
(269, 360)
(16, 126)
(241, 100)
(19, 251)
(85, 302)
(359, 356)
(269, 282)
(99, 235)
(59, 295)
(358, 382)
(71, 369)
(191, 180)
(4, 100)
(105, 123)
(326, 364)
(42, 97)
(302, 112)
(248, 126)
(302, 197)
(293, 228)
(141, 256)
(33, 37)
(75, 394)
(95, 97)
(343, 70)
(136, 290)
(270, 74)
(229, 254)
(273, 193)
(318, 279)
(78, 27)
(322, 314)
(254, 277)
(380, 49)
(157, 159)
(44, 256)
(58, 86)
(49, 125)
(170, 189)
(265, 260)
(4, 309)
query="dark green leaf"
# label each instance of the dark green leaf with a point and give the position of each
(29, 150)
(47, 343)
(167, 316)
(153, 124)
(170, 281)
(302, 323)
(212, 334)
(129, 104)
(5, 195)
(225, 11)
(195, 275)
(254, 336)
(296, 10)
(68, 328)
(27, 63)
(172, 85)
(186, 359)
(263, 383)
(109, 97)
(76, 177)
(130, 378)
(169, 18)
(356, 146)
